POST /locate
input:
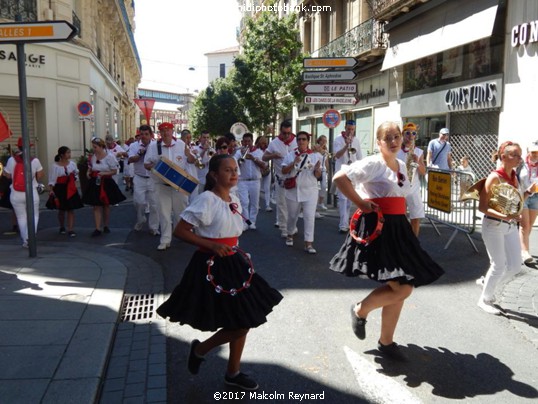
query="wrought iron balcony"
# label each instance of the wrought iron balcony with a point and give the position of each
(26, 8)
(363, 41)
(129, 29)
(387, 9)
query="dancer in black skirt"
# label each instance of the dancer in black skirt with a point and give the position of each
(62, 185)
(102, 190)
(395, 257)
(218, 293)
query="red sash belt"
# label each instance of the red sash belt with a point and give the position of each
(71, 185)
(231, 241)
(391, 205)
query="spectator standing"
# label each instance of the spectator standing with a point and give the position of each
(529, 176)
(440, 151)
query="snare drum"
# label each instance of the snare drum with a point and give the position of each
(175, 176)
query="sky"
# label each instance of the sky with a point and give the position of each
(173, 36)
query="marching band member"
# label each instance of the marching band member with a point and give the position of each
(277, 150)
(17, 196)
(262, 143)
(250, 160)
(395, 258)
(321, 149)
(102, 190)
(186, 136)
(62, 185)
(203, 154)
(119, 153)
(410, 154)
(144, 188)
(213, 223)
(347, 150)
(169, 201)
(305, 166)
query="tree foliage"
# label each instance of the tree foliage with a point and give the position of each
(267, 75)
(216, 109)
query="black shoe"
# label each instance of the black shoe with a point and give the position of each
(71, 234)
(96, 233)
(106, 230)
(358, 324)
(392, 351)
(242, 381)
(62, 230)
(194, 361)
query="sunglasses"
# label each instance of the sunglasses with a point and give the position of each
(223, 147)
(401, 179)
(410, 133)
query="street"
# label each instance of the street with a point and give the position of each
(307, 348)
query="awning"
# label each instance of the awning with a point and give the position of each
(453, 24)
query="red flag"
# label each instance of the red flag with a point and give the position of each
(5, 132)
(146, 106)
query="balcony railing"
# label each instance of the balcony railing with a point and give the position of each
(26, 8)
(129, 32)
(366, 39)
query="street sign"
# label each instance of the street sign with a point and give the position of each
(330, 100)
(45, 31)
(328, 88)
(84, 108)
(331, 75)
(329, 62)
(331, 118)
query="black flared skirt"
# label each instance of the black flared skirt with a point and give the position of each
(94, 197)
(75, 202)
(196, 302)
(396, 255)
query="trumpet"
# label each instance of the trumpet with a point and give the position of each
(211, 152)
(352, 150)
(199, 163)
(244, 156)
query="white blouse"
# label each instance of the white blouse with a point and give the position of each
(57, 170)
(307, 183)
(108, 163)
(212, 217)
(372, 178)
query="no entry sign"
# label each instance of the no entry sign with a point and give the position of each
(331, 118)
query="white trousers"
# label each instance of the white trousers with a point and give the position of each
(18, 200)
(249, 196)
(504, 251)
(309, 215)
(266, 187)
(281, 207)
(171, 204)
(344, 205)
(144, 195)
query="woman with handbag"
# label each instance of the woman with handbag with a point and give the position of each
(219, 290)
(303, 168)
(378, 184)
(63, 189)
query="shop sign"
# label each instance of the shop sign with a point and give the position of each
(478, 95)
(373, 90)
(525, 33)
(32, 60)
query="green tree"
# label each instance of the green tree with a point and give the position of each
(216, 109)
(267, 76)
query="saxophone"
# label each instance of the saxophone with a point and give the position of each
(410, 162)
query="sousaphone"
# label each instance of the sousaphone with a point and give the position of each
(238, 129)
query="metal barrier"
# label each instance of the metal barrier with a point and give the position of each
(441, 195)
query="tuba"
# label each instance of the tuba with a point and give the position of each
(239, 129)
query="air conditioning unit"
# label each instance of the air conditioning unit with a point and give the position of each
(48, 14)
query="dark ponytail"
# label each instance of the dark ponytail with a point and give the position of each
(61, 151)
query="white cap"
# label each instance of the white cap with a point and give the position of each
(444, 131)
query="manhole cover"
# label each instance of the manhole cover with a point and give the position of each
(137, 307)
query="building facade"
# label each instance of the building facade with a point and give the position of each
(220, 62)
(100, 66)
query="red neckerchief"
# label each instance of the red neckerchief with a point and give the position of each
(298, 153)
(287, 142)
(532, 166)
(404, 149)
(112, 148)
(252, 149)
(511, 180)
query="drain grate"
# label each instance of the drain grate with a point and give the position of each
(137, 307)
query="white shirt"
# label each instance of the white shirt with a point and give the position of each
(57, 170)
(372, 178)
(175, 153)
(346, 158)
(138, 166)
(307, 183)
(109, 163)
(402, 155)
(249, 169)
(202, 172)
(35, 164)
(212, 217)
(278, 146)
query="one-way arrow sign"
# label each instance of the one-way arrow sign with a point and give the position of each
(329, 62)
(46, 31)
(328, 88)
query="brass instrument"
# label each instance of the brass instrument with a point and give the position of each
(352, 150)
(243, 157)
(410, 162)
(211, 152)
(504, 198)
(197, 158)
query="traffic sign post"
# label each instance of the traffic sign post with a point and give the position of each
(330, 100)
(331, 118)
(329, 75)
(314, 63)
(328, 88)
(84, 109)
(20, 33)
